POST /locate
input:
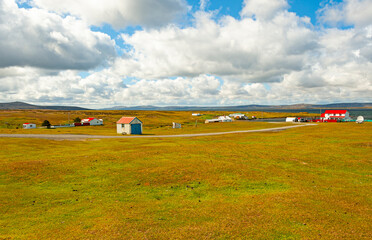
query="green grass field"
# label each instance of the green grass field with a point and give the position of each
(305, 183)
(154, 122)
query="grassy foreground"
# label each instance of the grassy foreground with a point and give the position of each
(306, 183)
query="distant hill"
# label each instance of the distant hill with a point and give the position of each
(22, 105)
(244, 107)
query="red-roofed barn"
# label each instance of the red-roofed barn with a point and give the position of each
(29, 125)
(336, 114)
(129, 125)
(92, 121)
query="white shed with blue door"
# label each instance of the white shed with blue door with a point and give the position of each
(129, 125)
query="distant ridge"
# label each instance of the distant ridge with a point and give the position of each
(244, 107)
(22, 105)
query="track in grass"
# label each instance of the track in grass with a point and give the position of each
(79, 137)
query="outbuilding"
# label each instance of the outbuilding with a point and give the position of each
(237, 115)
(219, 119)
(336, 115)
(129, 125)
(291, 119)
(29, 125)
(92, 121)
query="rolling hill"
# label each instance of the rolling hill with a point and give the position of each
(22, 105)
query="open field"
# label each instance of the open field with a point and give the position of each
(155, 122)
(303, 183)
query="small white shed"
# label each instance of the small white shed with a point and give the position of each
(129, 125)
(290, 119)
(29, 125)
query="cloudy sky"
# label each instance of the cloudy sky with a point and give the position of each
(100, 53)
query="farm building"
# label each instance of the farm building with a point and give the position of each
(335, 115)
(29, 125)
(237, 115)
(196, 114)
(176, 125)
(129, 125)
(92, 121)
(291, 119)
(219, 119)
(212, 120)
(225, 119)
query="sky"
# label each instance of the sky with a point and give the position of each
(96, 54)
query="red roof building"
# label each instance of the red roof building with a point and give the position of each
(29, 125)
(92, 121)
(335, 114)
(129, 125)
(125, 120)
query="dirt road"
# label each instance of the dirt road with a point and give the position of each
(80, 137)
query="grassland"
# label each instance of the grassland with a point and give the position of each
(155, 122)
(304, 183)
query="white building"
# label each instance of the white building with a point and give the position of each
(290, 119)
(29, 125)
(212, 120)
(225, 119)
(176, 125)
(196, 114)
(235, 115)
(336, 114)
(219, 119)
(92, 121)
(129, 125)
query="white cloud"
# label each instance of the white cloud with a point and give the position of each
(244, 50)
(275, 57)
(263, 9)
(203, 4)
(119, 14)
(37, 38)
(349, 12)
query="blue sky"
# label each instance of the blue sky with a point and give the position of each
(232, 8)
(185, 52)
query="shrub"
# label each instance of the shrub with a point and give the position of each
(46, 123)
(77, 120)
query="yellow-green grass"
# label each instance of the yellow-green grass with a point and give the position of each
(304, 183)
(154, 122)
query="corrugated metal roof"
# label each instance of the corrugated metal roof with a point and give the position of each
(335, 111)
(87, 119)
(125, 120)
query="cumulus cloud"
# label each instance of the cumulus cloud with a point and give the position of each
(65, 87)
(37, 38)
(267, 57)
(348, 12)
(119, 14)
(244, 50)
(263, 9)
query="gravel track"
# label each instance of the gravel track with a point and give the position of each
(82, 137)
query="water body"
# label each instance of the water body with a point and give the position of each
(354, 113)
